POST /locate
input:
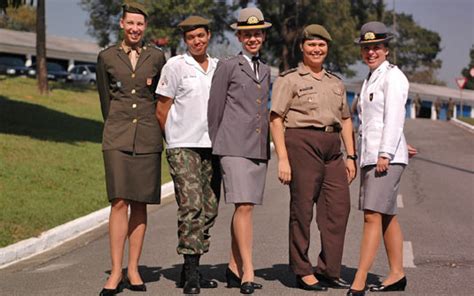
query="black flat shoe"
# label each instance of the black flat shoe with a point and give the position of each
(111, 292)
(314, 287)
(136, 288)
(331, 282)
(353, 292)
(397, 286)
(247, 288)
(233, 280)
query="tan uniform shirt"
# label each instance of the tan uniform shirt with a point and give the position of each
(304, 101)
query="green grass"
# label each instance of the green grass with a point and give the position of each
(51, 167)
(467, 120)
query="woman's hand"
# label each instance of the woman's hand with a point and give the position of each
(284, 171)
(412, 151)
(351, 170)
(382, 165)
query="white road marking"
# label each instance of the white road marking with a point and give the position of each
(408, 258)
(399, 201)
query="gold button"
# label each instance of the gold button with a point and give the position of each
(257, 131)
(258, 115)
(133, 91)
(259, 86)
(135, 120)
(259, 101)
(133, 75)
(310, 99)
(134, 106)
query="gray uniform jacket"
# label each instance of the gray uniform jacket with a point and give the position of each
(237, 110)
(127, 99)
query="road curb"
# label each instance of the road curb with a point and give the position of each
(63, 233)
(462, 124)
(58, 235)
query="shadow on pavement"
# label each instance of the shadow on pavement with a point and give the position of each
(35, 121)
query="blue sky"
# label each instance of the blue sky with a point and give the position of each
(452, 19)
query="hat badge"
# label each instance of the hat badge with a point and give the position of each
(369, 36)
(252, 20)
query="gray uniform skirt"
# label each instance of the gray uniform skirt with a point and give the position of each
(133, 177)
(244, 179)
(378, 192)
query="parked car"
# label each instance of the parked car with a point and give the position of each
(83, 74)
(12, 66)
(56, 72)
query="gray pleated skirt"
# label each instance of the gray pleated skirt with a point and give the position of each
(378, 192)
(133, 177)
(244, 179)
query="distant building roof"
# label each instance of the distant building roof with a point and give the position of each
(427, 92)
(18, 42)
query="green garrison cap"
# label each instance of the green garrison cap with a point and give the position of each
(316, 31)
(134, 7)
(193, 22)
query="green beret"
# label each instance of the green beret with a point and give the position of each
(316, 31)
(134, 7)
(193, 22)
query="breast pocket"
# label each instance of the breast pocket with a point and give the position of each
(307, 99)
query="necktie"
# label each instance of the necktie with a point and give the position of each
(133, 58)
(255, 65)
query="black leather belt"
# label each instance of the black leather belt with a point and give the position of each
(326, 129)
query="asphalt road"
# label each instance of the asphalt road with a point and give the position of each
(436, 213)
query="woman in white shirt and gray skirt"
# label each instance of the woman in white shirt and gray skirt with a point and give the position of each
(383, 157)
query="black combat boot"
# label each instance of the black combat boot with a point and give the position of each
(191, 275)
(204, 283)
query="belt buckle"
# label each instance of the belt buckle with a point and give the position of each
(329, 129)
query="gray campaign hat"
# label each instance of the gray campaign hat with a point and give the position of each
(250, 18)
(372, 33)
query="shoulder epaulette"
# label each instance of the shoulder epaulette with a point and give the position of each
(108, 47)
(334, 75)
(284, 73)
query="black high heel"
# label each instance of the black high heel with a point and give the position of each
(111, 292)
(314, 287)
(397, 286)
(233, 280)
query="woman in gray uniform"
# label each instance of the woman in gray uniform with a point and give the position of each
(309, 117)
(383, 157)
(127, 75)
(238, 128)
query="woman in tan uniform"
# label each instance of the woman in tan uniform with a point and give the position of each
(127, 75)
(309, 116)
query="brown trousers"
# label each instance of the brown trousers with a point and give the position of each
(318, 176)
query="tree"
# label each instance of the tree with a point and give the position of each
(341, 18)
(41, 69)
(104, 19)
(163, 18)
(19, 19)
(415, 49)
(466, 71)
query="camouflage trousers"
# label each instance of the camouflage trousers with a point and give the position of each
(197, 183)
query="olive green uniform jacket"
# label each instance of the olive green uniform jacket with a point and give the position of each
(127, 99)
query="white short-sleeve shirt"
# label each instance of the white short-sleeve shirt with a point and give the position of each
(183, 80)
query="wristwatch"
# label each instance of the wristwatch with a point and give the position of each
(353, 157)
